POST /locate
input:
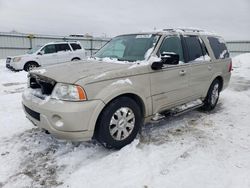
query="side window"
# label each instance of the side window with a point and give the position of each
(205, 51)
(194, 48)
(75, 46)
(172, 44)
(219, 47)
(49, 49)
(62, 47)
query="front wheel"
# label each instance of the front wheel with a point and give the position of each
(76, 59)
(212, 96)
(29, 66)
(119, 123)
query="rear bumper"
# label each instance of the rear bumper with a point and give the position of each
(65, 120)
(226, 80)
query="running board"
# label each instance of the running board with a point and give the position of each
(176, 111)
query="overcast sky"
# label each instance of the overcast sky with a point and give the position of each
(230, 18)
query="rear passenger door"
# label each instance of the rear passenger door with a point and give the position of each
(63, 52)
(201, 65)
(77, 52)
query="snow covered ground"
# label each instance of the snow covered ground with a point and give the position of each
(193, 150)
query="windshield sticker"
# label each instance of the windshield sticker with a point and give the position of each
(143, 36)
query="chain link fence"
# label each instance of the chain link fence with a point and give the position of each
(18, 44)
(12, 44)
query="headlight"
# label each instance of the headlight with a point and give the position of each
(16, 59)
(68, 92)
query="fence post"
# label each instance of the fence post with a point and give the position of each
(30, 36)
(91, 47)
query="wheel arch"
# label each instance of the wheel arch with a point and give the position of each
(75, 58)
(133, 96)
(31, 62)
(220, 79)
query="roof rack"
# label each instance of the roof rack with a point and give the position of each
(65, 40)
(184, 29)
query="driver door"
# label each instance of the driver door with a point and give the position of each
(48, 55)
(169, 85)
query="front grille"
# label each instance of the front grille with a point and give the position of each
(32, 113)
(8, 62)
(41, 82)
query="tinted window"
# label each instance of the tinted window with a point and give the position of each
(62, 47)
(172, 44)
(205, 51)
(194, 48)
(219, 48)
(49, 49)
(75, 46)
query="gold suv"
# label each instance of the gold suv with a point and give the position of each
(127, 82)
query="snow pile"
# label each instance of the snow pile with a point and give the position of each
(241, 65)
(12, 84)
(193, 150)
(9, 78)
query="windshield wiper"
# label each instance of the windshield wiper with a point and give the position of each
(129, 60)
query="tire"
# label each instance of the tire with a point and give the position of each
(212, 96)
(29, 66)
(76, 59)
(119, 123)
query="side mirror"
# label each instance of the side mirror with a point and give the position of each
(166, 58)
(157, 65)
(170, 58)
(40, 53)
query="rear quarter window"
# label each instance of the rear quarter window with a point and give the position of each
(218, 47)
(75, 46)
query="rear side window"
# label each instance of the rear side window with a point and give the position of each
(219, 47)
(62, 47)
(75, 46)
(194, 48)
(205, 51)
(172, 44)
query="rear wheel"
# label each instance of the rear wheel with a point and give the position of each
(30, 65)
(212, 96)
(119, 123)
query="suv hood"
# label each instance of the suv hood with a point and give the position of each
(22, 56)
(71, 72)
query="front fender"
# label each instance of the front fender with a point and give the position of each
(108, 90)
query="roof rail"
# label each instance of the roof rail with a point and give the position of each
(184, 29)
(65, 40)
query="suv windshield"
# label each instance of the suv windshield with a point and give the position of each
(33, 50)
(129, 47)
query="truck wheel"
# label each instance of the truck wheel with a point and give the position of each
(119, 123)
(212, 96)
(29, 66)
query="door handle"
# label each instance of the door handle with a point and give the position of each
(209, 67)
(182, 72)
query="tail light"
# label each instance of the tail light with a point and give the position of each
(230, 67)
